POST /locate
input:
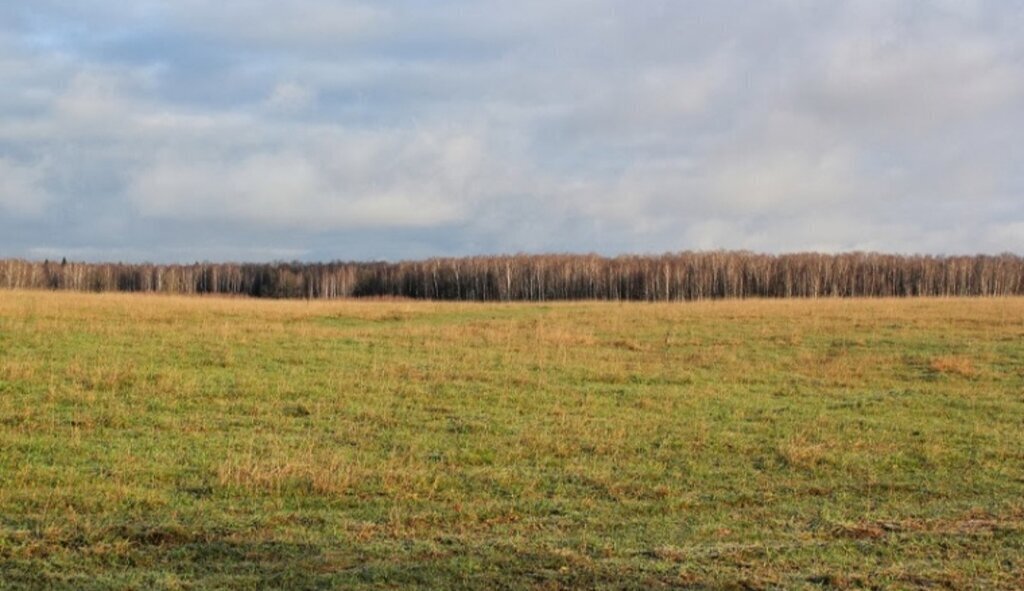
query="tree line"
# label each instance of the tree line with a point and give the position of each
(668, 277)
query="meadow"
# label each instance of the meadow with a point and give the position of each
(161, 442)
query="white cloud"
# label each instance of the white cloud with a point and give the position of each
(917, 84)
(290, 96)
(783, 180)
(331, 179)
(1006, 237)
(22, 191)
(299, 22)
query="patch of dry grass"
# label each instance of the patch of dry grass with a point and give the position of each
(957, 365)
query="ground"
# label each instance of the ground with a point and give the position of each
(174, 443)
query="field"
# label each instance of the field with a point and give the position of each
(176, 443)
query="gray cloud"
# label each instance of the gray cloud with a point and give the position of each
(320, 129)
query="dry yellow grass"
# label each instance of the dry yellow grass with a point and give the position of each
(955, 365)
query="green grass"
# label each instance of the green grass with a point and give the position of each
(171, 443)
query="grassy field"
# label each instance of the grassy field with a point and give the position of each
(171, 443)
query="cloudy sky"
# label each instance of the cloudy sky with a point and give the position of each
(327, 129)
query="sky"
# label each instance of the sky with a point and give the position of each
(257, 130)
